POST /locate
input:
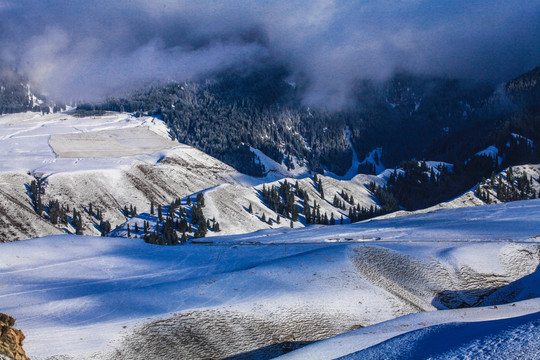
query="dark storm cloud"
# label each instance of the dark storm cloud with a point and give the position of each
(90, 48)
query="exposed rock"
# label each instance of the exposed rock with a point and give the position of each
(10, 339)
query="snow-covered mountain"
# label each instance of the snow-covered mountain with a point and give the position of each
(110, 161)
(115, 161)
(104, 166)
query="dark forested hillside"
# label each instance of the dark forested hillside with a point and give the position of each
(16, 95)
(409, 116)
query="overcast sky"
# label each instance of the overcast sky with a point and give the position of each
(86, 49)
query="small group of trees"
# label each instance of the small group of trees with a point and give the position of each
(341, 203)
(508, 188)
(317, 180)
(282, 199)
(178, 219)
(59, 214)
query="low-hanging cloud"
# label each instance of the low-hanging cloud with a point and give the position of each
(80, 49)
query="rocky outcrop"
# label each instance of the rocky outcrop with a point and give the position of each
(10, 339)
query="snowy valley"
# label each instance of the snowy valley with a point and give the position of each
(257, 288)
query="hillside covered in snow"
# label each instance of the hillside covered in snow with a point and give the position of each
(271, 291)
(100, 165)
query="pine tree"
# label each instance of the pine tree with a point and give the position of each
(78, 228)
(201, 230)
(151, 207)
(160, 213)
(128, 231)
(292, 225)
(321, 190)
(307, 213)
(250, 210)
(200, 199)
(263, 219)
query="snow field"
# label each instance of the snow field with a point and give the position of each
(267, 291)
(500, 332)
(29, 139)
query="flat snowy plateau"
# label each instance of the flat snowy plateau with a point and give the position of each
(262, 294)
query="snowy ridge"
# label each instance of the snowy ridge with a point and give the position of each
(473, 197)
(229, 205)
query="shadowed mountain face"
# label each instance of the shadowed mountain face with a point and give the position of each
(408, 116)
(17, 94)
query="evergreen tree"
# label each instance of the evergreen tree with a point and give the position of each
(321, 190)
(201, 230)
(307, 213)
(104, 227)
(250, 210)
(200, 199)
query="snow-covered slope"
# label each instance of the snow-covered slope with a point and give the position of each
(17, 216)
(117, 160)
(111, 161)
(262, 293)
(495, 332)
(230, 203)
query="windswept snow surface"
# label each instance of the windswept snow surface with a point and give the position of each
(79, 297)
(495, 332)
